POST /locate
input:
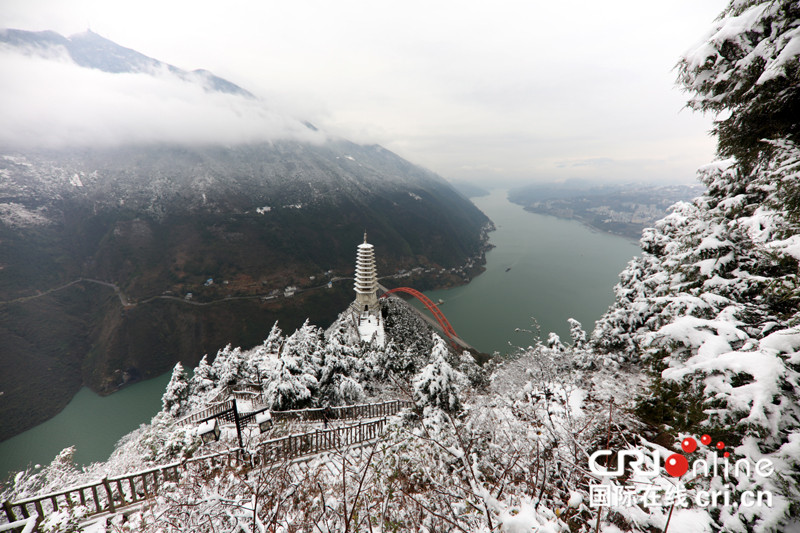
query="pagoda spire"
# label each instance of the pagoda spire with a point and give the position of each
(366, 285)
(366, 306)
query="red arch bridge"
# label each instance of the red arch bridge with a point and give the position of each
(435, 311)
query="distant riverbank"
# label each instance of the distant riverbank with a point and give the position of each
(623, 210)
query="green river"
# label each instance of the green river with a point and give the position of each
(543, 270)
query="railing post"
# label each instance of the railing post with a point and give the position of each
(9, 511)
(121, 491)
(39, 511)
(133, 488)
(107, 486)
(238, 424)
(96, 500)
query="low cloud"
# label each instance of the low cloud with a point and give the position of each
(51, 102)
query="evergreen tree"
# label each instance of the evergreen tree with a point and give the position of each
(747, 71)
(231, 367)
(438, 384)
(577, 333)
(204, 377)
(554, 342)
(274, 340)
(712, 305)
(177, 392)
(290, 389)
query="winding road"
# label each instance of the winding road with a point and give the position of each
(127, 303)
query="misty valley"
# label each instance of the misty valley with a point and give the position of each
(488, 312)
(218, 315)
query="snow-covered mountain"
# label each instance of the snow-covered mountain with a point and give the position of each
(90, 50)
(681, 412)
(125, 250)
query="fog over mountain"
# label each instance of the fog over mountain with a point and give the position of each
(88, 91)
(149, 214)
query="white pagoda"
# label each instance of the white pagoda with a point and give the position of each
(366, 307)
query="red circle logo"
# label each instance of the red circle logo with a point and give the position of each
(676, 465)
(689, 445)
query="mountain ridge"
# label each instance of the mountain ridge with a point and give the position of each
(250, 225)
(91, 50)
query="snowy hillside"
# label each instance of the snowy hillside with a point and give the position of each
(680, 412)
(710, 309)
(473, 454)
(167, 213)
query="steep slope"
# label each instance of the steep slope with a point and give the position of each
(162, 221)
(712, 307)
(120, 258)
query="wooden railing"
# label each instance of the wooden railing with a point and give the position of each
(111, 494)
(348, 412)
(220, 409)
(225, 411)
(249, 392)
(27, 525)
(321, 440)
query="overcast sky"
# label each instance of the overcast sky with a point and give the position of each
(478, 91)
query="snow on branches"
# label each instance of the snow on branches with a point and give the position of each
(438, 384)
(177, 392)
(712, 305)
(748, 66)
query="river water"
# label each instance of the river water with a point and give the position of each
(558, 269)
(92, 423)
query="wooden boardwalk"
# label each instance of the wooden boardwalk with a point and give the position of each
(111, 494)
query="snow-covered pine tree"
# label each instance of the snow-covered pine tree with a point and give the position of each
(438, 384)
(203, 380)
(290, 388)
(577, 333)
(712, 304)
(177, 392)
(554, 342)
(274, 340)
(231, 367)
(306, 345)
(747, 71)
